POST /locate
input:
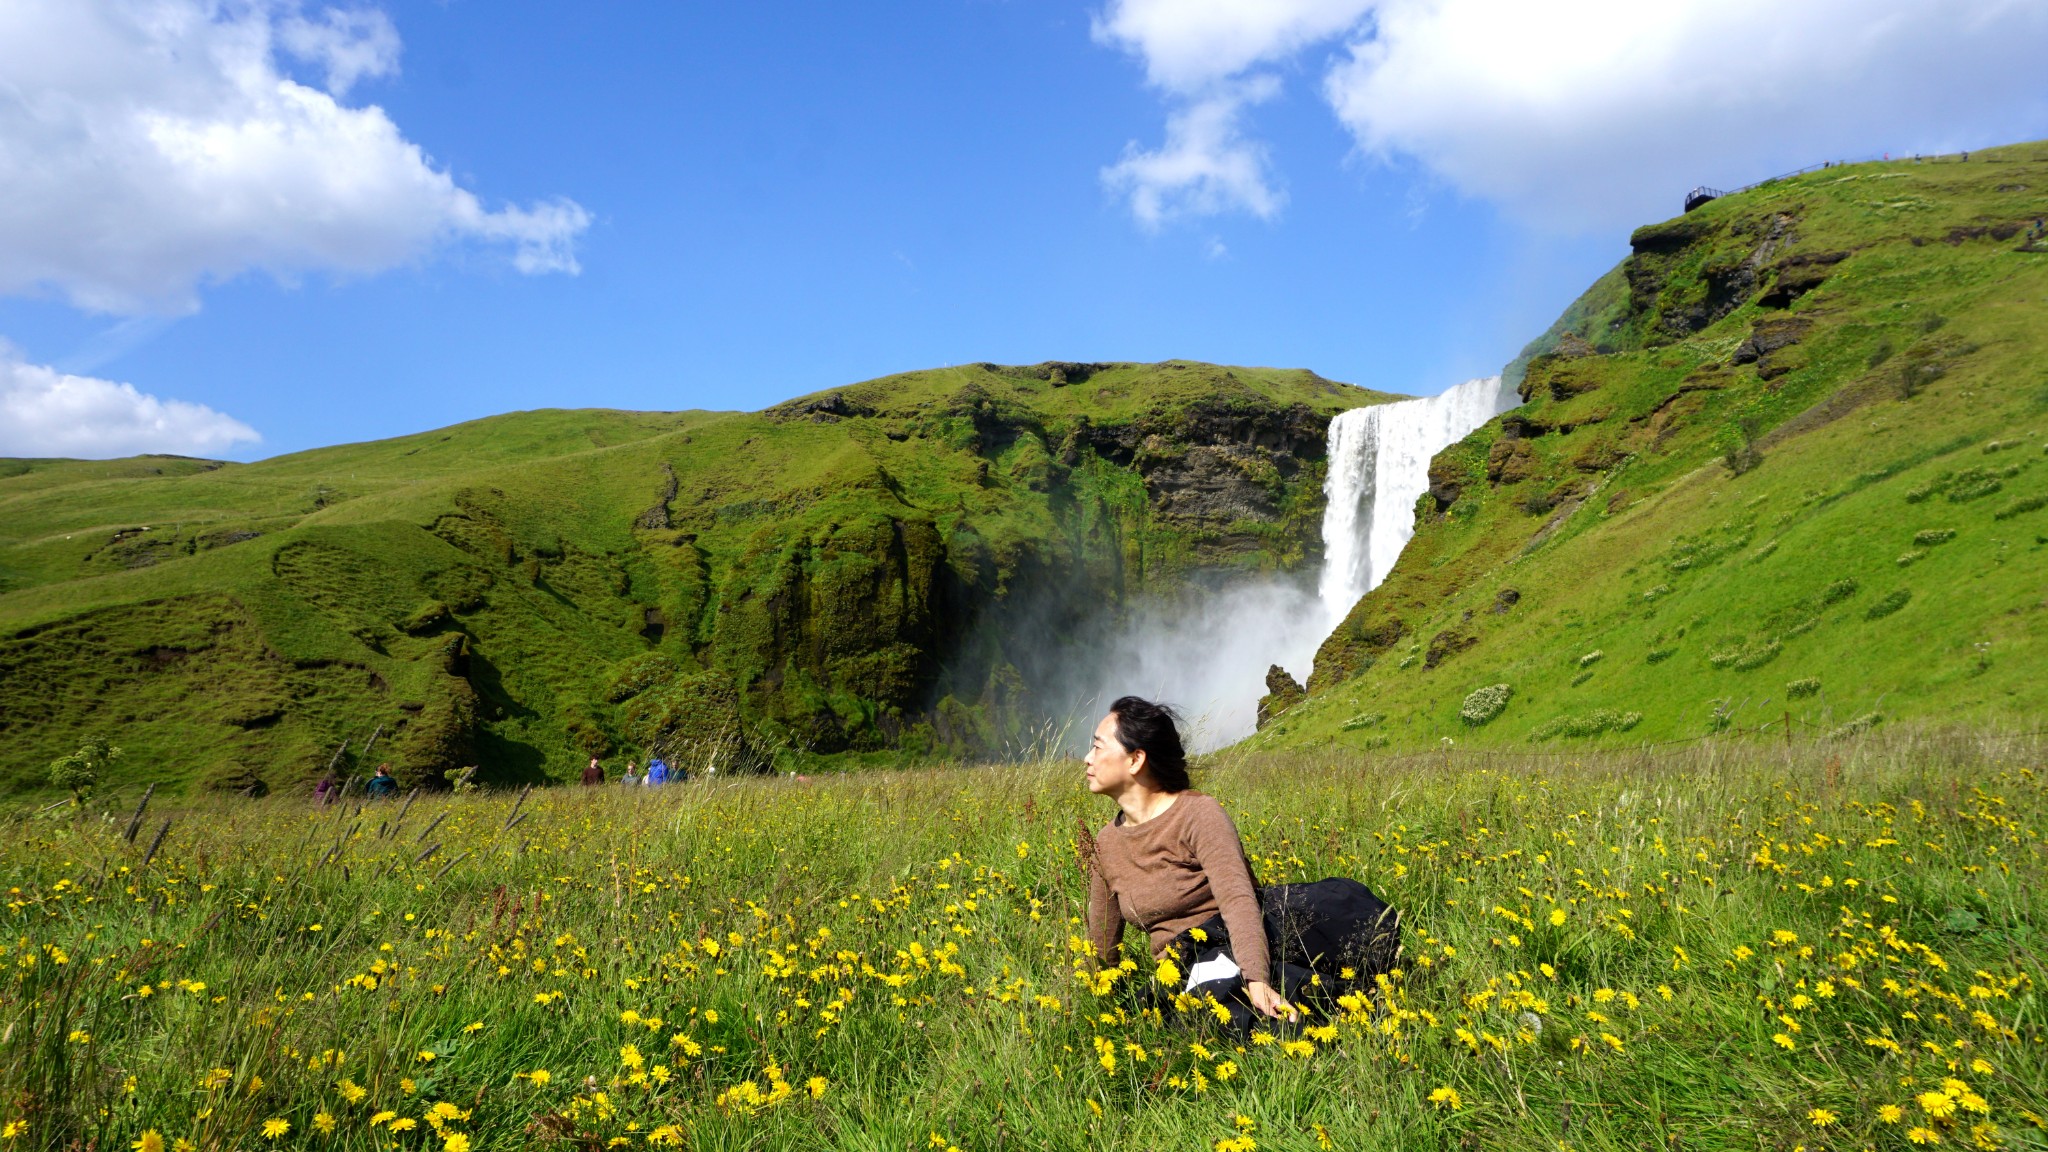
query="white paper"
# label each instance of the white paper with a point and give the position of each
(1217, 967)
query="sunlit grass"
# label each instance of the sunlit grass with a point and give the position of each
(1738, 945)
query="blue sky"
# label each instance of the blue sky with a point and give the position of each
(751, 202)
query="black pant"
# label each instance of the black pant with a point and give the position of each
(1326, 938)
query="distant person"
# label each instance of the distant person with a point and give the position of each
(594, 774)
(327, 786)
(1171, 862)
(383, 785)
(657, 773)
(632, 775)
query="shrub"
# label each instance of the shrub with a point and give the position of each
(1908, 559)
(1659, 655)
(1749, 654)
(2020, 507)
(1929, 537)
(1582, 677)
(1485, 704)
(1659, 590)
(1594, 723)
(1837, 592)
(1590, 658)
(81, 770)
(1802, 688)
(1362, 720)
(1892, 602)
(1973, 484)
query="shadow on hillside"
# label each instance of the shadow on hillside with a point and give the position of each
(508, 761)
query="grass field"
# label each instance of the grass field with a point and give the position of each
(1728, 944)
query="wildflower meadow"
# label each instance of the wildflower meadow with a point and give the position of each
(1727, 945)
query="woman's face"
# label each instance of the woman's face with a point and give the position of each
(1110, 767)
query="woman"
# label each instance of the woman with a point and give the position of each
(1171, 859)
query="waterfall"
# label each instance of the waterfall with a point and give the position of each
(1208, 650)
(1379, 466)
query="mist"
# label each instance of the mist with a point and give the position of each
(1206, 652)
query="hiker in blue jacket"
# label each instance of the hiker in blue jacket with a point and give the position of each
(657, 773)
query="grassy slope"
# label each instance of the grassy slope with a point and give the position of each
(484, 585)
(1610, 503)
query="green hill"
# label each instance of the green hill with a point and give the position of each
(1787, 459)
(855, 571)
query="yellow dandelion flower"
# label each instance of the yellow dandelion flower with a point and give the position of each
(1821, 1117)
(1783, 1041)
(454, 1142)
(14, 1129)
(151, 1141)
(1095, 1108)
(1446, 1099)
(384, 1117)
(276, 1126)
(324, 1122)
(539, 1077)
(817, 1086)
(1923, 1135)
(1939, 1105)
(711, 1015)
(1890, 1113)
(404, 1124)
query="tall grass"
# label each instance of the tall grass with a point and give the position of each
(1726, 945)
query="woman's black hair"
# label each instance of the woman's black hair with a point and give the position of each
(1143, 726)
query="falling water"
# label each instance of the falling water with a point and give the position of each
(1379, 465)
(1209, 650)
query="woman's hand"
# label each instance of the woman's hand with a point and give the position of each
(1268, 1001)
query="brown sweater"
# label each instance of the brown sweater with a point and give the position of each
(1171, 873)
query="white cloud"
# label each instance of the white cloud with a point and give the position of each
(1206, 166)
(150, 146)
(1581, 114)
(1204, 54)
(44, 412)
(1597, 113)
(1189, 45)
